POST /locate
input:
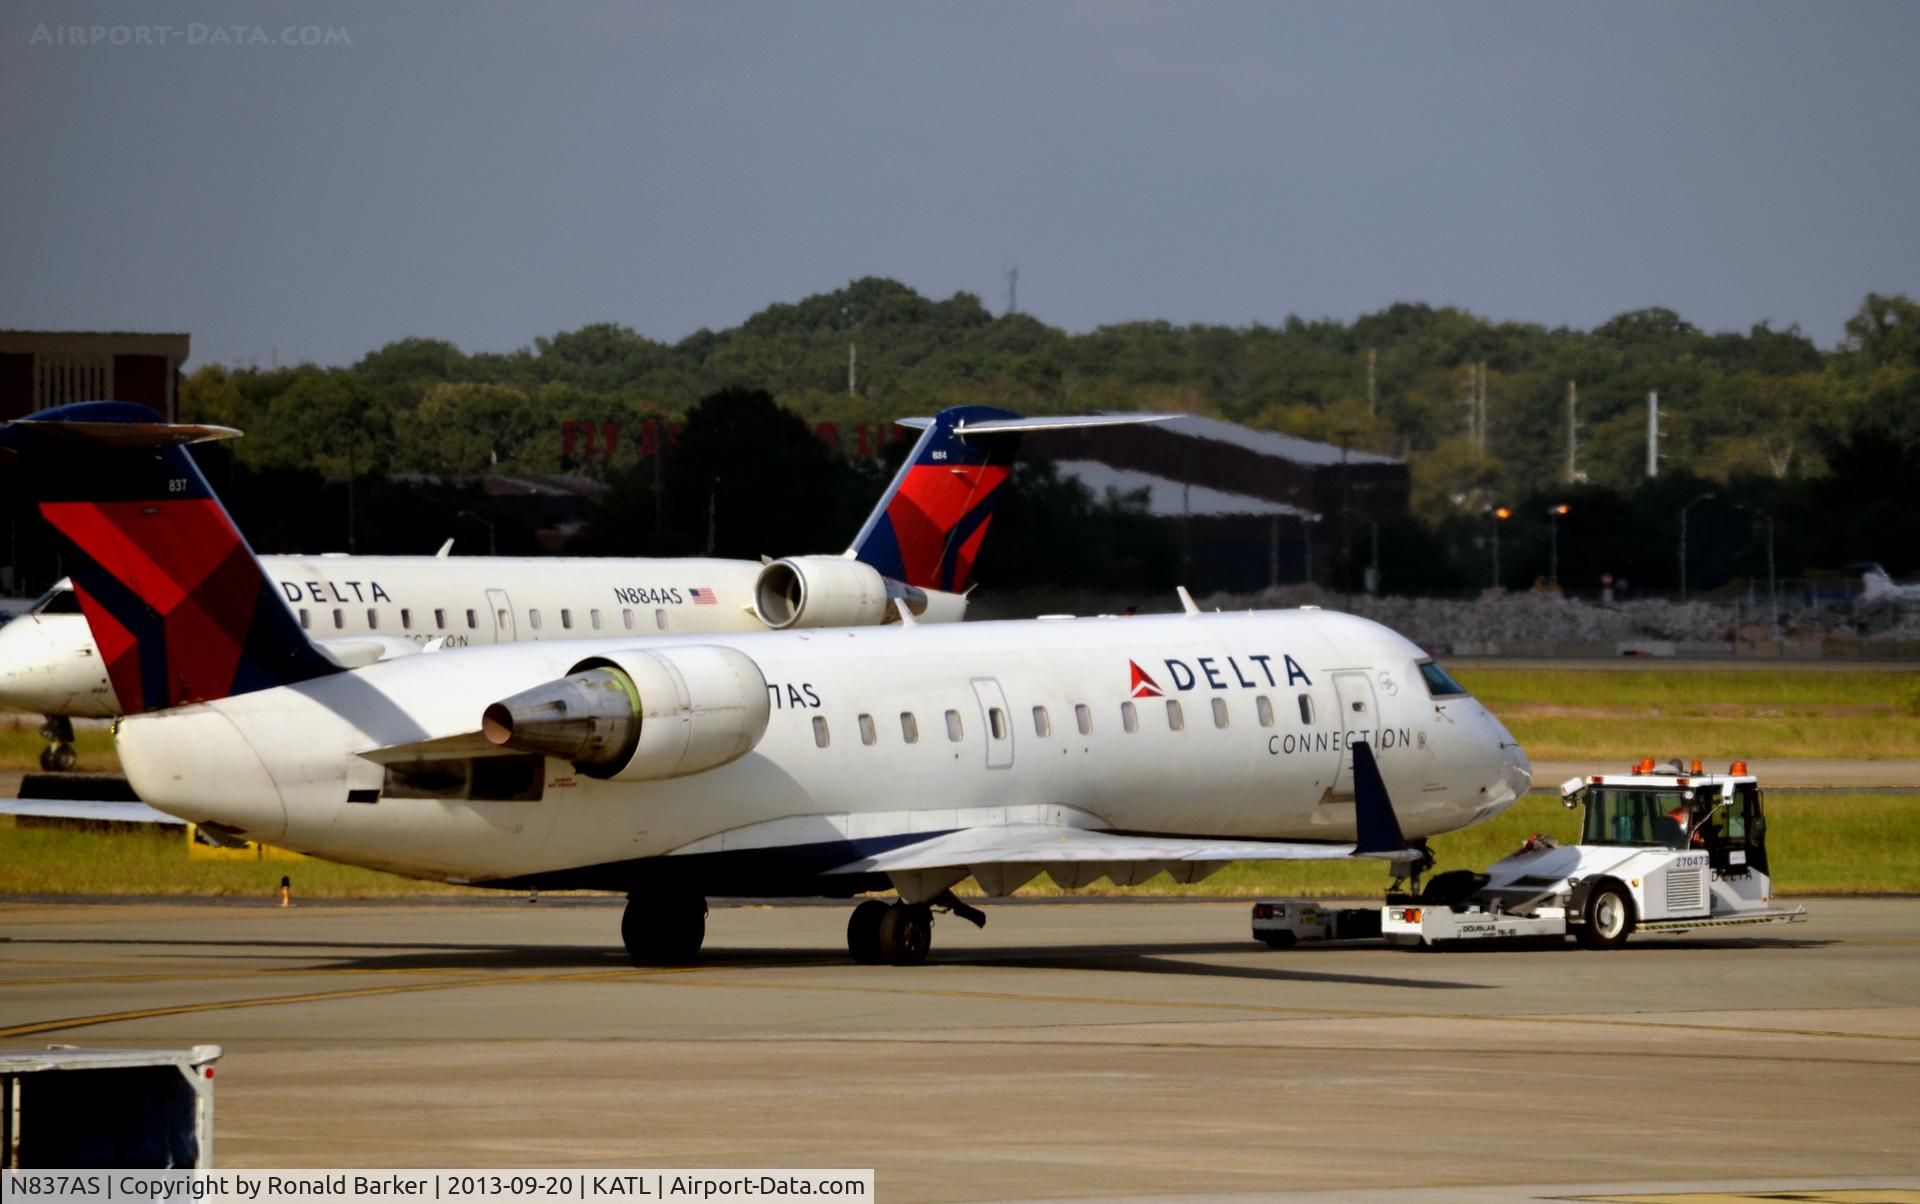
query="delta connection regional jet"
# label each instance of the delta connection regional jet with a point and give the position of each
(918, 546)
(829, 761)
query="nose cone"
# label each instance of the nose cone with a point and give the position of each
(1510, 774)
(195, 764)
(48, 666)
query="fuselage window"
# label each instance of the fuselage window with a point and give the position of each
(867, 734)
(660, 619)
(1220, 712)
(997, 723)
(1176, 722)
(440, 617)
(373, 619)
(505, 621)
(339, 618)
(594, 616)
(473, 620)
(626, 617)
(406, 619)
(954, 731)
(306, 620)
(1042, 725)
(820, 737)
(909, 727)
(1083, 718)
(1129, 718)
(533, 618)
(1306, 709)
(566, 618)
(1263, 708)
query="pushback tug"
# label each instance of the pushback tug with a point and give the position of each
(1662, 849)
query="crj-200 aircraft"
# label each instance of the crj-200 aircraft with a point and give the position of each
(826, 761)
(918, 546)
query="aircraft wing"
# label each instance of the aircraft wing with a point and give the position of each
(119, 813)
(1049, 843)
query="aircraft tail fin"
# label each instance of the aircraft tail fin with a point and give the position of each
(927, 529)
(179, 606)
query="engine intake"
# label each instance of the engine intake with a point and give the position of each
(640, 715)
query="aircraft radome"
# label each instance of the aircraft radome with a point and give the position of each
(918, 546)
(826, 761)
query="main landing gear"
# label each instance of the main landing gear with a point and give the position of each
(59, 755)
(900, 933)
(664, 928)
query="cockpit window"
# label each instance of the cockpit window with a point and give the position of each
(1438, 683)
(60, 600)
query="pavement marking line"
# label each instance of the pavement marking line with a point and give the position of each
(48, 1026)
(1839, 1195)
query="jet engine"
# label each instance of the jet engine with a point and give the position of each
(640, 716)
(827, 591)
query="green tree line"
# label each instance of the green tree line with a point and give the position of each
(1819, 440)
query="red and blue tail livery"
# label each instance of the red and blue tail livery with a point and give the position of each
(928, 528)
(929, 525)
(180, 608)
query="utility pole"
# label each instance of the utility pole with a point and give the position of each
(1013, 289)
(853, 355)
(1653, 439)
(1573, 434)
(1373, 408)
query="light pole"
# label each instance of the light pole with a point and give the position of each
(1499, 514)
(1553, 543)
(1683, 541)
(1773, 590)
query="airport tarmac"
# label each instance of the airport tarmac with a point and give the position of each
(1066, 1051)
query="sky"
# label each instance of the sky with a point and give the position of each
(295, 183)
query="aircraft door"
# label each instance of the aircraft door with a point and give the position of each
(995, 721)
(1358, 720)
(501, 608)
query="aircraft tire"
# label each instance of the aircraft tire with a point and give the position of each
(906, 933)
(665, 929)
(863, 932)
(1609, 916)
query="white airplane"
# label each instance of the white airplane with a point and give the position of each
(796, 762)
(918, 545)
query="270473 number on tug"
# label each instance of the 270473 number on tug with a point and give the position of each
(1662, 849)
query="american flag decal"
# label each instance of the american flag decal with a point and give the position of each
(702, 596)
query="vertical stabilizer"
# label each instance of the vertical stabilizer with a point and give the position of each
(180, 608)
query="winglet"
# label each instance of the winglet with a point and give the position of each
(446, 549)
(1377, 829)
(1186, 600)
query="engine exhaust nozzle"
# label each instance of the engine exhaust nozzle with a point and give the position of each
(590, 718)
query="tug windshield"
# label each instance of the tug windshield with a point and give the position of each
(1623, 815)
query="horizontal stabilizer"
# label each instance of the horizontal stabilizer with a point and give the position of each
(1026, 426)
(1051, 843)
(118, 813)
